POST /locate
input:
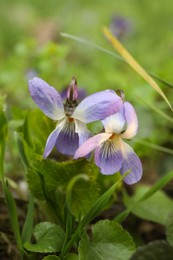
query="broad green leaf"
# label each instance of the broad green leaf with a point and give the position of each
(149, 192)
(133, 63)
(155, 208)
(169, 228)
(49, 238)
(110, 241)
(71, 256)
(157, 250)
(81, 194)
(55, 175)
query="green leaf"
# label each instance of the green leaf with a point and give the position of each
(3, 137)
(81, 194)
(49, 238)
(155, 208)
(99, 204)
(169, 228)
(156, 250)
(12, 210)
(36, 129)
(152, 190)
(51, 257)
(55, 174)
(71, 257)
(28, 225)
(110, 241)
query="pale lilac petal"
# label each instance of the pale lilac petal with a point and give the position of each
(67, 141)
(130, 162)
(82, 131)
(108, 157)
(115, 123)
(98, 106)
(51, 141)
(91, 144)
(46, 98)
(132, 121)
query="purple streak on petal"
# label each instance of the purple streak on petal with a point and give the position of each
(46, 98)
(67, 141)
(91, 144)
(108, 158)
(82, 131)
(130, 162)
(116, 122)
(98, 106)
(52, 139)
(132, 121)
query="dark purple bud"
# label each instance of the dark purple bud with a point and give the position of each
(72, 91)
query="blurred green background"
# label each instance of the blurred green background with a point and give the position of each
(31, 44)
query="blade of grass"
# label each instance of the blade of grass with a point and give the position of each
(28, 225)
(93, 45)
(66, 35)
(154, 146)
(156, 109)
(133, 63)
(3, 137)
(11, 205)
(12, 210)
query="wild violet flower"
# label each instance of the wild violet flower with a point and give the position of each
(71, 131)
(111, 153)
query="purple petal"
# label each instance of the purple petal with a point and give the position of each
(68, 141)
(46, 98)
(98, 106)
(130, 162)
(116, 122)
(91, 144)
(108, 157)
(132, 121)
(52, 139)
(82, 131)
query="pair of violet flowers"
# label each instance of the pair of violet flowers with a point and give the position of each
(72, 137)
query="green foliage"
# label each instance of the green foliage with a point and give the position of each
(155, 250)
(169, 228)
(51, 257)
(12, 210)
(155, 208)
(49, 238)
(149, 192)
(71, 257)
(3, 136)
(73, 192)
(28, 224)
(109, 242)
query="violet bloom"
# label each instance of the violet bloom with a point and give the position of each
(71, 131)
(112, 154)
